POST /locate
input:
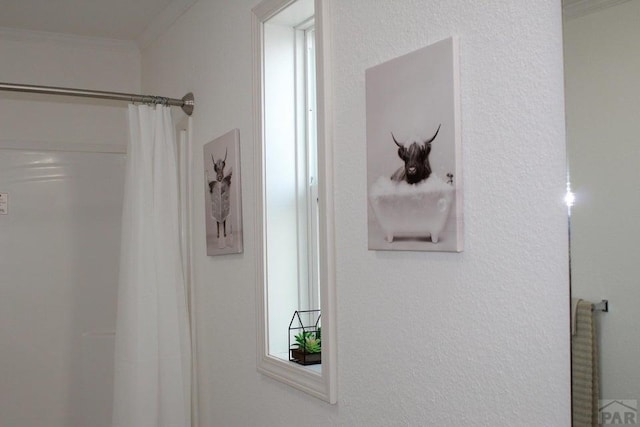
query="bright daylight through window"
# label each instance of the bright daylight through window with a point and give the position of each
(290, 170)
(296, 247)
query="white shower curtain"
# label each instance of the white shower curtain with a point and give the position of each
(152, 357)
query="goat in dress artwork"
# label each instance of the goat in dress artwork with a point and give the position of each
(219, 190)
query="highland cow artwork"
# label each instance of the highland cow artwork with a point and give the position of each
(414, 173)
(223, 209)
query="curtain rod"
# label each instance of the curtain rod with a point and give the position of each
(186, 103)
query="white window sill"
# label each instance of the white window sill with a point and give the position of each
(312, 368)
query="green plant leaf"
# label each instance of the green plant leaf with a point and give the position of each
(309, 342)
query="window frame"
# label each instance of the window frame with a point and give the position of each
(319, 384)
(307, 164)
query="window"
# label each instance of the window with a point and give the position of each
(294, 206)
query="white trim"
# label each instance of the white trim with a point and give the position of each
(324, 119)
(12, 144)
(267, 9)
(322, 385)
(576, 8)
(22, 35)
(295, 375)
(163, 22)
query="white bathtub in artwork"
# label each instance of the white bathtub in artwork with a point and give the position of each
(404, 210)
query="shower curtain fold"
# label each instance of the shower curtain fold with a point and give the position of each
(152, 357)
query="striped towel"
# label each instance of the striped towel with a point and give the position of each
(584, 367)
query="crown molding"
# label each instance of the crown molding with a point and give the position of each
(576, 8)
(155, 29)
(21, 35)
(163, 21)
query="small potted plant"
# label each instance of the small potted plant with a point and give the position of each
(308, 347)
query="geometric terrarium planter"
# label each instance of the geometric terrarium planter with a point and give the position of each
(305, 337)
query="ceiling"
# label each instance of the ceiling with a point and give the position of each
(142, 21)
(131, 20)
(576, 8)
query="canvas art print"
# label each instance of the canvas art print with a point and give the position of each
(223, 209)
(414, 173)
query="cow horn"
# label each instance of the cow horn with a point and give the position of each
(434, 135)
(213, 160)
(225, 155)
(396, 141)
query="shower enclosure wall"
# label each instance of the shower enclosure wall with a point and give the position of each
(59, 242)
(59, 256)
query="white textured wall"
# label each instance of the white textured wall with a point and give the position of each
(603, 101)
(54, 60)
(478, 338)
